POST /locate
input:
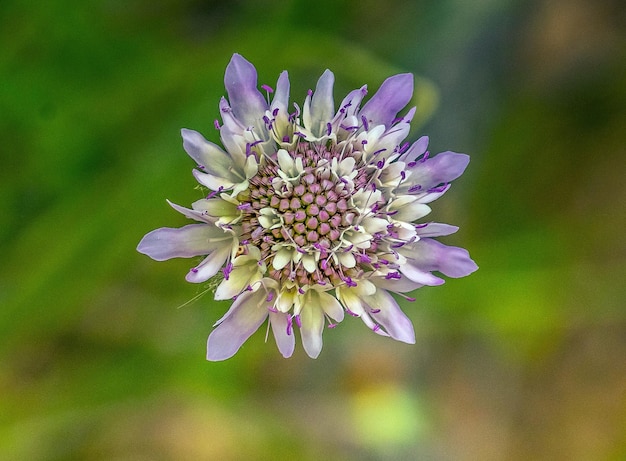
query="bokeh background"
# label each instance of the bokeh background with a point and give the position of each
(523, 360)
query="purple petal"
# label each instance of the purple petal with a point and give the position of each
(391, 317)
(286, 342)
(415, 272)
(246, 100)
(391, 97)
(431, 255)
(435, 229)
(246, 315)
(416, 150)
(439, 169)
(401, 285)
(185, 242)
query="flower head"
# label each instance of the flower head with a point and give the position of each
(313, 212)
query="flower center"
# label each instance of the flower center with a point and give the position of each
(296, 211)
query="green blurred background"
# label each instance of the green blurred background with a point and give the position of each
(523, 360)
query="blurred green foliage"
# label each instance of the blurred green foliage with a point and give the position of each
(522, 360)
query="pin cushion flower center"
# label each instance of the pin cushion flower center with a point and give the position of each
(296, 211)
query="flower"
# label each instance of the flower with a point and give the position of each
(312, 213)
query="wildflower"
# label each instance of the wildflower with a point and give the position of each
(312, 213)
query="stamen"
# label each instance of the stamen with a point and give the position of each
(365, 124)
(216, 123)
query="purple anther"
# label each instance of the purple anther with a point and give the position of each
(403, 175)
(332, 325)
(285, 138)
(301, 251)
(329, 128)
(421, 226)
(404, 147)
(267, 120)
(380, 164)
(425, 157)
(275, 112)
(365, 124)
(270, 296)
(439, 188)
(309, 92)
(415, 188)
(408, 298)
(323, 264)
(301, 291)
(393, 275)
(216, 123)
(374, 311)
(272, 309)
(215, 192)
(227, 270)
(396, 120)
(289, 325)
(411, 164)
(349, 281)
(376, 327)
(353, 314)
(194, 270)
(298, 321)
(267, 88)
(299, 134)
(364, 142)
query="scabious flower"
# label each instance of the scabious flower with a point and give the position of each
(313, 213)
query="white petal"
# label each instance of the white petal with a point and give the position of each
(330, 305)
(245, 316)
(286, 342)
(374, 225)
(308, 261)
(211, 181)
(286, 163)
(191, 214)
(312, 321)
(210, 265)
(282, 258)
(208, 155)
